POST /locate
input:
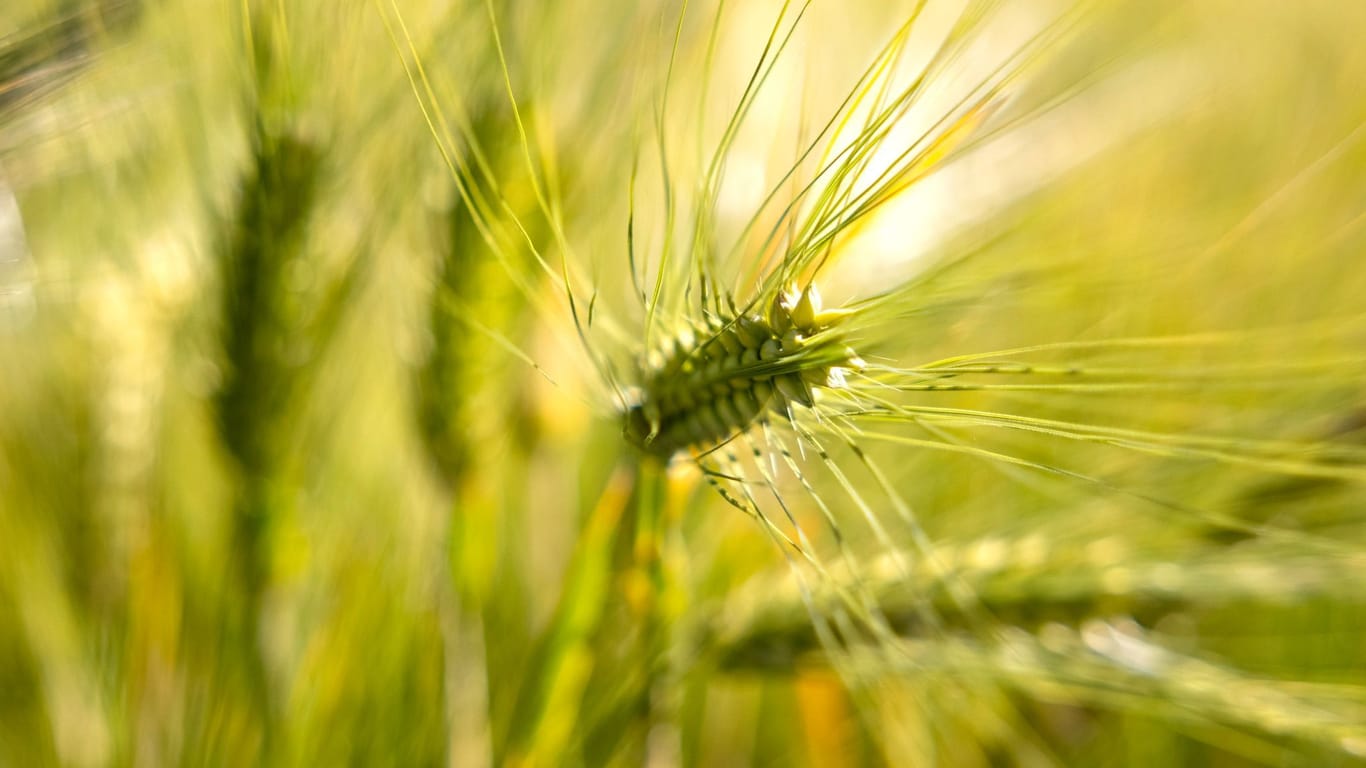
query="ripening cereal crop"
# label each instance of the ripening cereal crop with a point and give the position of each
(691, 382)
(995, 465)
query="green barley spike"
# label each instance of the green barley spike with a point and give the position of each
(713, 385)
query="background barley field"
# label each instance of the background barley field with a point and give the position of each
(320, 325)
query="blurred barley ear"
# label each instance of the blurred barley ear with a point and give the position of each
(473, 304)
(273, 334)
(63, 579)
(261, 343)
(467, 396)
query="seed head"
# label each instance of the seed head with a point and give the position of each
(720, 377)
